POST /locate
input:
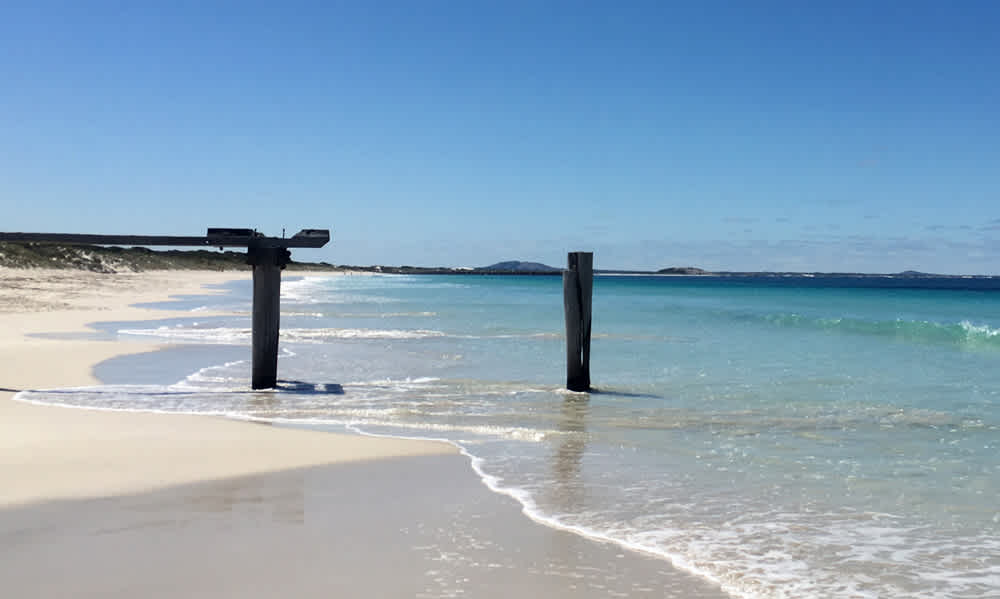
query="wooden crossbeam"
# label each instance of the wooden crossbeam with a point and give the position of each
(247, 238)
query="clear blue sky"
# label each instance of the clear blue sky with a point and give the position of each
(849, 136)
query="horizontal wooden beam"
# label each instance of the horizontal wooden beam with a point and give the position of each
(308, 238)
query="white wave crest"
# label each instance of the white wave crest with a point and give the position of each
(240, 336)
(979, 330)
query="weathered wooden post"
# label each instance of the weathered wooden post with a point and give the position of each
(267, 264)
(578, 284)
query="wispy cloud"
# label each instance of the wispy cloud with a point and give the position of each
(841, 201)
(939, 228)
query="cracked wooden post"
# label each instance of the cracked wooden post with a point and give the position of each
(267, 264)
(578, 284)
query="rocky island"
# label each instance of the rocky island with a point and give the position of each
(682, 270)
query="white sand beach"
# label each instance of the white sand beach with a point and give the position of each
(123, 504)
(79, 453)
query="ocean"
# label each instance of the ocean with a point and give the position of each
(783, 437)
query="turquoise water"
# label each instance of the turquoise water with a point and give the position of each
(778, 437)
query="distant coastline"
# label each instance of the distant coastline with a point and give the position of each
(443, 270)
(138, 259)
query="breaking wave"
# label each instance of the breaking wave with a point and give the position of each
(963, 333)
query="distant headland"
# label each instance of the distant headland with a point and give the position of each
(103, 259)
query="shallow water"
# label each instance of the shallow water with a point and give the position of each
(782, 440)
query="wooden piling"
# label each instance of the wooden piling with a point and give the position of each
(578, 284)
(267, 264)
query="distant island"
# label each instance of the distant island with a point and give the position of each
(682, 270)
(519, 267)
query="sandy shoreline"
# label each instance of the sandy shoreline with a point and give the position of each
(89, 454)
(133, 504)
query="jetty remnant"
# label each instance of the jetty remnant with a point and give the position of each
(578, 285)
(267, 255)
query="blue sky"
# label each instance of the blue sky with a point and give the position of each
(832, 136)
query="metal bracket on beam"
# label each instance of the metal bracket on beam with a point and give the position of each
(261, 256)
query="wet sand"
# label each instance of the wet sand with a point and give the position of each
(114, 504)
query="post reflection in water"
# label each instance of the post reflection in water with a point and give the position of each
(568, 492)
(262, 403)
(288, 397)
